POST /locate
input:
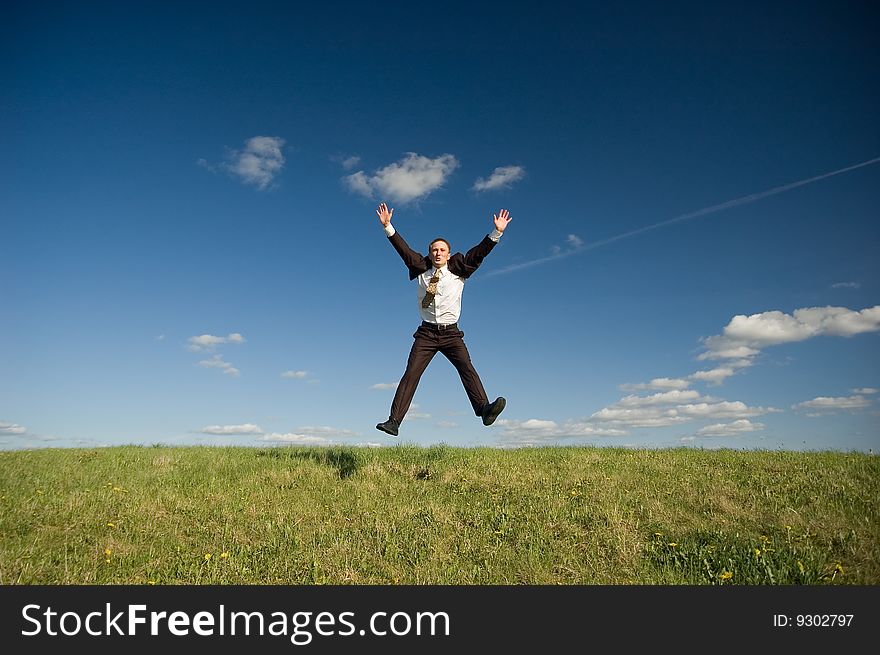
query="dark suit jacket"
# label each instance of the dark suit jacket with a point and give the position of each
(461, 265)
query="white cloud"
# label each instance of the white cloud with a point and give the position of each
(244, 428)
(730, 352)
(350, 162)
(259, 162)
(501, 178)
(651, 415)
(661, 398)
(385, 385)
(846, 285)
(414, 413)
(535, 431)
(745, 336)
(299, 375)
(657, 383)
(723, 410)
(829, 404)
(11, 428)
(866, 390)
(446, 424)
(292, 437)
(574, 241)
(714, 376)
(729, 429)
(359, 183)
(325, 431)
(217, 362)
(209, 341)
(413, 177)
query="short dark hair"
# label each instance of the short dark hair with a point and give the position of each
(448, 246)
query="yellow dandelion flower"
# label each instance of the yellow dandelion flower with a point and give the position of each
(107, 552)
(838, 568)
(111, 525)
(207, 556)
(151, 582)
(672, 543)
(107, 560)
(726, 575)
(224, 555)
(757, 552)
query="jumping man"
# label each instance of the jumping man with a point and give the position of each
(441, 277)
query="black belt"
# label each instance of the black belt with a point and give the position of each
(439, 327)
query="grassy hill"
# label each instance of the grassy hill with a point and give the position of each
(439, 515)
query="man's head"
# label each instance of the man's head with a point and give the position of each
(438, 251)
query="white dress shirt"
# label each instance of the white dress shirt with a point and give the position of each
(446, 307)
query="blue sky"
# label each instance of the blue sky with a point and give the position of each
(192, 256)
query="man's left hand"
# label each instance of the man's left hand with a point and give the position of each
(502, 218)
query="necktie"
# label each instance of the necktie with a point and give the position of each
(432, 289)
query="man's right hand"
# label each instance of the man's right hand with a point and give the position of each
(384, 214)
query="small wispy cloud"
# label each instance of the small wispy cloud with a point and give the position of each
(293, 437)
(657, 383)
(846, 285)
(350, 162)
(411, 178)
(415, 413)
(217, 361)
(258, 163)
(663, 398)
(298, 375)
(347, 162)
(244, 428)
(714, 376)
(866, 390)
(11, 428)
(575, 244)
(385, 385)
(315, 435)
(740, 426)
(209, 341)
(822, 404)
(501, 178)
(534, 432)
(326, 431)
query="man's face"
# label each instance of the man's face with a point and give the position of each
(439, 253)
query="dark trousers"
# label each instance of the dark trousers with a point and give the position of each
(428, 342)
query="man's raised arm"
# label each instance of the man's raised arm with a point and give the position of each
(415, 263)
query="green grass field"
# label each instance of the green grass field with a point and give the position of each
(439, 515)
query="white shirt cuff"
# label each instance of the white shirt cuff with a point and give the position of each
(389, 230)
(494, 235)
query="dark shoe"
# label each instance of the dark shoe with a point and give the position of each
(390, 426)
(492, 410)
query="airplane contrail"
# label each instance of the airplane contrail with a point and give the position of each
(736, 202)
